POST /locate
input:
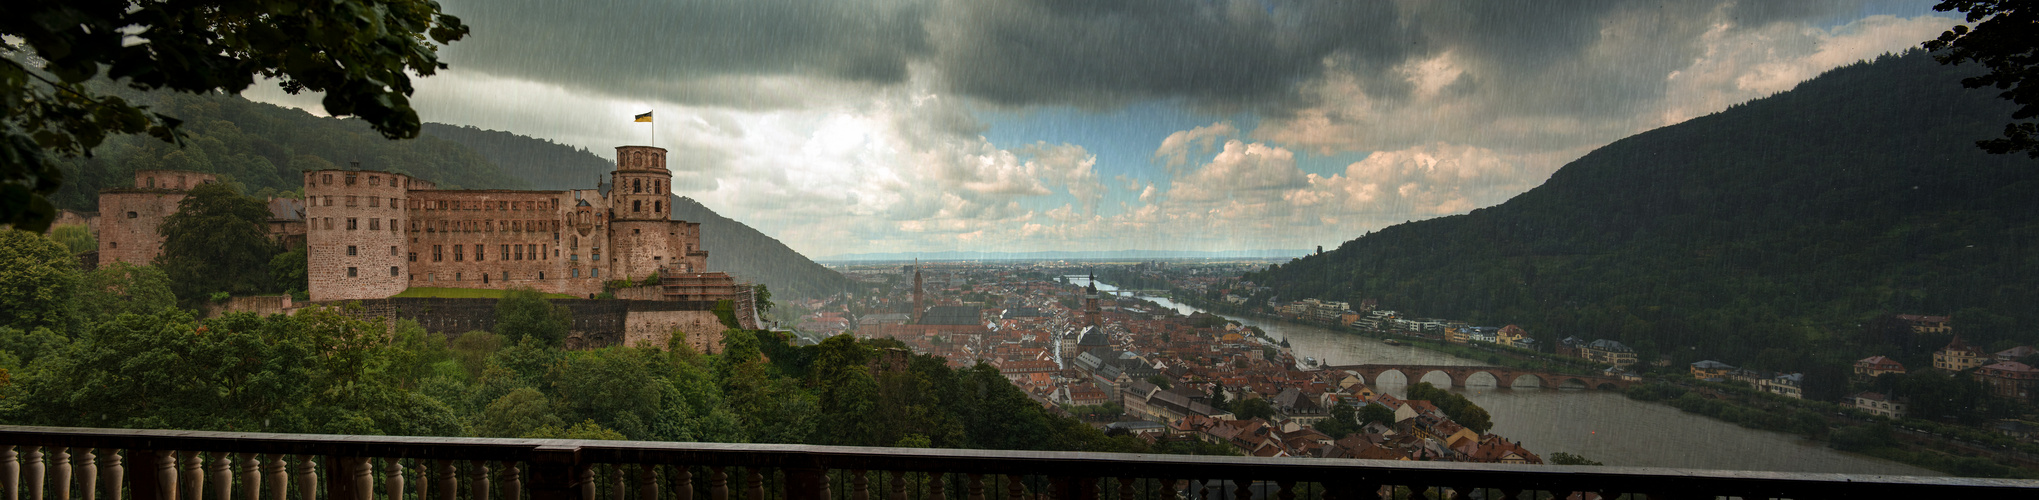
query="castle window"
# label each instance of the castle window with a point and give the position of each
(657, 206)
(374, 202)
(329, 200)
(431, 276)
(576, 273)
(520, 253)
(132, 215)
(635, 231)
(392, 203)
(375, 224)
(351, 224)
(375, 180)
(506, 275)
(456, 276)
(326, 179)
(438, 254)
(351, 272)
(595, 273)
(392, 271)
(351, 201)
(457, 253)
(329, 223)
(414, 256)
(505, 254)
(350, 179)
(113, 244)
(392, 225)
(152, 182)
(477, 253)
(350, 250)
(392, 250)
(598, 256)
(637, 186)
(637, 205)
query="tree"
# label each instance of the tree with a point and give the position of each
(1161, 381)
(216, 243)
(2002, 41)
(763, 299)
(292, 270)
(1254, 408)
(1376, 413)
(359, 53)
(523, 312)
(1562, 458)
(121, 288)
(76, 237)
(36, 279)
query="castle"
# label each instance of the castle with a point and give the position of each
(370, 235)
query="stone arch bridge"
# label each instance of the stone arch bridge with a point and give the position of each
(1503, 377)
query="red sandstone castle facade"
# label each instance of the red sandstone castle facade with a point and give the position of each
(372, 234)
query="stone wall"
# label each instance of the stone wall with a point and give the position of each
(261, 305)
(596, 323)
(355, 245)
(130, 221)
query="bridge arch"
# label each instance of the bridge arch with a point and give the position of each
(1449, 380)
(1534, 380)
(1574, 383)
(1379, 378)
(1608, 386)
(1483, 378)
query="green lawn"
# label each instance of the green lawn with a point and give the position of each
(464, 293)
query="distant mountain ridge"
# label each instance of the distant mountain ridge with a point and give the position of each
(1765, 234)
(1068, 255)
(732, 247)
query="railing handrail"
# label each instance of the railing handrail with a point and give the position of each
(1051, 463)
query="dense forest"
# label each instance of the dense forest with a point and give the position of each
(109, 348)
(1781, 233)
(261, 148)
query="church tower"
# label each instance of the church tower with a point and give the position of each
(919, 295)
(1091, 311)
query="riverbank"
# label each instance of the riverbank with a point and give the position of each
(1814, 422)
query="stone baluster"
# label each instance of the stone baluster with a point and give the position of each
(362, 471)
(754, 484)
(934, 487)
(860, 485)
(1013, 489)
(393, 478)
(274, 477)
(647, 482)
(683, 482)
(718, 483)
(86, 470)
(221, 474)
(31, 472)
(191, 468)
(513, 481)
(10, 473)
(113, 474)
(305, 472)
(448, 479)
(250, 473)
(898, 485)
(160, 476)
(424, 479)
(480, 488)
(585, 477)
(976, 485)
(60, 473)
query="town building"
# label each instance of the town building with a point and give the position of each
(1710, 370)
(2010, 379)
(1790, 385)
(1958, 356)
(1879, 404)
(1927, 324)
(1610, 352)
(2015, 353)
(1874, 366)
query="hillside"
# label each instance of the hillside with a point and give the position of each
(732, 246)
(264, 148)
(1766, 235)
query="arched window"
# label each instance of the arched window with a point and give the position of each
(637, 186)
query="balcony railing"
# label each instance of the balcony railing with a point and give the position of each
(54, 463)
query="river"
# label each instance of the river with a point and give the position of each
(1599, 425)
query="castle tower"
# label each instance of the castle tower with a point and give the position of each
(356, 245)
(640, 210)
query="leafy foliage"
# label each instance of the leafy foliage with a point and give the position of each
(1783, 224)
(2003, 42)
(524, 313)
(121, 288)
(216, 242)
(1455, 406)
(36, 279)
(359, 53)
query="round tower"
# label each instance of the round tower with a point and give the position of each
(354, 234)
(640, 228)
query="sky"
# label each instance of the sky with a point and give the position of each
(860, 126)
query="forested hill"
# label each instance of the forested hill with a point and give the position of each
(264, 147)
(756, 257)
(1768, 234)
(543, 163)
(732, 246)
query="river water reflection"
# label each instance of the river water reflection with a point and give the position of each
(1599, 425)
